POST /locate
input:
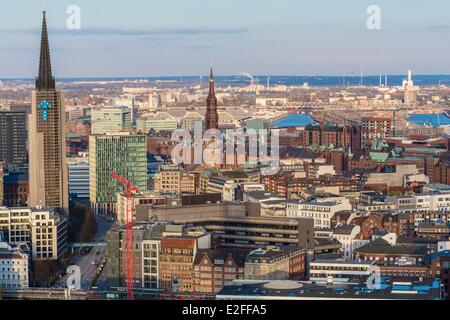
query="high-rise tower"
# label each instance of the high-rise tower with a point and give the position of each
(48, 171)
(211, 117)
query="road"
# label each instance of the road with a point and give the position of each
(90, 262)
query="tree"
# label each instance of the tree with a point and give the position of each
(82, 226)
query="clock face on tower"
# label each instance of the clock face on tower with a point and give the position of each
(44, 106)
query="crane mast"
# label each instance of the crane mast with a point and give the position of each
(129, 189)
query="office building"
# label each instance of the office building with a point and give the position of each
(42, 229)
(339, 271)
(122, 153)
(374, 128)
(147, 124)
(2, 192)
(78, 170)
(15, 189)
(13, 137)
(48, 170)
(233, 227)
(110, 120)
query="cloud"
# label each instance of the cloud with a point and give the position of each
(161, 32)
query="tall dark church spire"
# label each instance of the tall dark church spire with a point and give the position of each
(45, 80)
(211, 117)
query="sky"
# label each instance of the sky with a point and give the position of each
(138, 38)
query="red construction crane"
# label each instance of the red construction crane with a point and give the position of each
(129, 190)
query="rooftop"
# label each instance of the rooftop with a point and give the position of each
(306, 290)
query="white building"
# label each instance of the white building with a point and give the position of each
(150, 263)
(429, 201)
(338, 270)
(127, 102)
(13, 267)
(345, 234)
(321, 212)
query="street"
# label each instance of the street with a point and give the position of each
(92, 261)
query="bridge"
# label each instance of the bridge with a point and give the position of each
(43, 294)
(113, 294)
(77, 245)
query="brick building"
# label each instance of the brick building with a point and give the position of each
(15, 189)
(213, 269)
(374, 128)
(176, 261)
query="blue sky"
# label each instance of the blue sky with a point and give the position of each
(180, 37)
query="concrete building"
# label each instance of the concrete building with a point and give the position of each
(273, 208)
(400, 178)
(110, 120)
(48, 170)
(138, 198)
(122, 153)
(48, 234)
(41, 229)
(275, 263)
(231, 225)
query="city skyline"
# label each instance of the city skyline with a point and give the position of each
(301, 39)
